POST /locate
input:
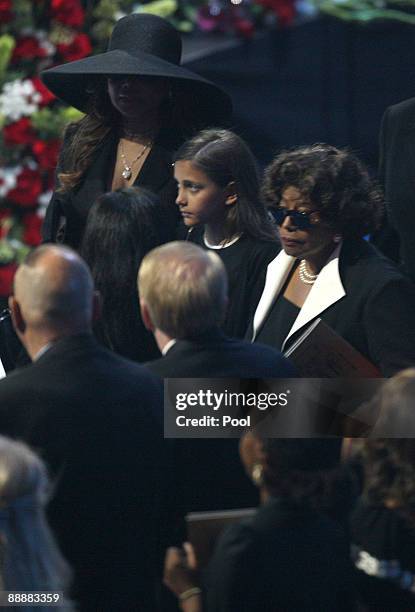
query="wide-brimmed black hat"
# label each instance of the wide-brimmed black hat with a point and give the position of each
(146, 45)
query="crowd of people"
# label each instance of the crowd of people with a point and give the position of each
(168, 255)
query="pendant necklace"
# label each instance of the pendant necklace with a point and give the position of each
(127, 172)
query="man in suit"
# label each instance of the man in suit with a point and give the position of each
(397, 173)
(96, 420)
(183, 296)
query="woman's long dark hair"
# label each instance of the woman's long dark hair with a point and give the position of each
(122, 226)
(83, 137)
(225, 158)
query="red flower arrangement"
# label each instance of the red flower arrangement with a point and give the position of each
(79, 47)
(19, 133)
(68, 12)
(5, 11)
(28, 188)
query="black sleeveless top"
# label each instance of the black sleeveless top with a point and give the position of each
(278, 323)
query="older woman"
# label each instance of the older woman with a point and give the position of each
(139, 104)
(290, 555)
(324, 204)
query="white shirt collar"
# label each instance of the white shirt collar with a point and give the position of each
(168, 346)
(42, 351)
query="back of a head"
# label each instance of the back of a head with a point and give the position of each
(122, 224)
(302, 469)
(54, 289)
(32, 560)
(184, 289)
(394, 404)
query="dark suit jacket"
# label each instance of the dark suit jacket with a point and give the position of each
(211, 474)
(96, 420)
(303, 559)
(362, 296)
(217, 356)
(397, 173)
(67, 212)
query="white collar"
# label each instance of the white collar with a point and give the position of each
(42, 351)
(220, 246)
(168, 346)
(327, 290)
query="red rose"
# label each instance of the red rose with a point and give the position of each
(46, 152)
(18, 133)
(6, 279)
(47, 95)
(68, 12)
(244, 27)
(32, 224)
(284, 9)
(28, 48)
(28, 188)
(79, 47)
(5, 11)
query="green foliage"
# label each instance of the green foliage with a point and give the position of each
(7, 44)
(50, 123)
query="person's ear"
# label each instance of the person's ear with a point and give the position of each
(146, 317)
(232, 196)
(18, 321)
(96, 306)
(251, 451)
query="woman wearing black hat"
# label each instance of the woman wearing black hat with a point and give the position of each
(139, 104)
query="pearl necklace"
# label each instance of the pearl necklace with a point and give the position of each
(127, 172)
(305, 276)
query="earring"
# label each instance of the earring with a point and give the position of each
(257, 474)
(337, 238)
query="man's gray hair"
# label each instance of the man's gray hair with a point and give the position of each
(184, 289)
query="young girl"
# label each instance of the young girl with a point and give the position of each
(218, 197)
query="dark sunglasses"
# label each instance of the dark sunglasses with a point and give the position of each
(300, 219)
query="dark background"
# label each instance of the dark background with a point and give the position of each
(323, 81)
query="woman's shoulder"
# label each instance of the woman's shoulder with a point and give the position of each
(361, 260)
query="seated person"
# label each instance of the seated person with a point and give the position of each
(324, 204)
(183, 295)
(121, 227)
(393, 407)
(289, 556)
(383, 526)
(30, 558)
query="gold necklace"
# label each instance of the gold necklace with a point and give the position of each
(127, 172)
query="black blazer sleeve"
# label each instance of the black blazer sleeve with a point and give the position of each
(390, 325)
(386, 237)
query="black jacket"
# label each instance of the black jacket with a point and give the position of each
(362, 296)
(287, 557)
(211, 473)
(67, 212)
(397, 173)
(97, 421)
(214, 355)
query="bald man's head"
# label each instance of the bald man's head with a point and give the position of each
(54, 290)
